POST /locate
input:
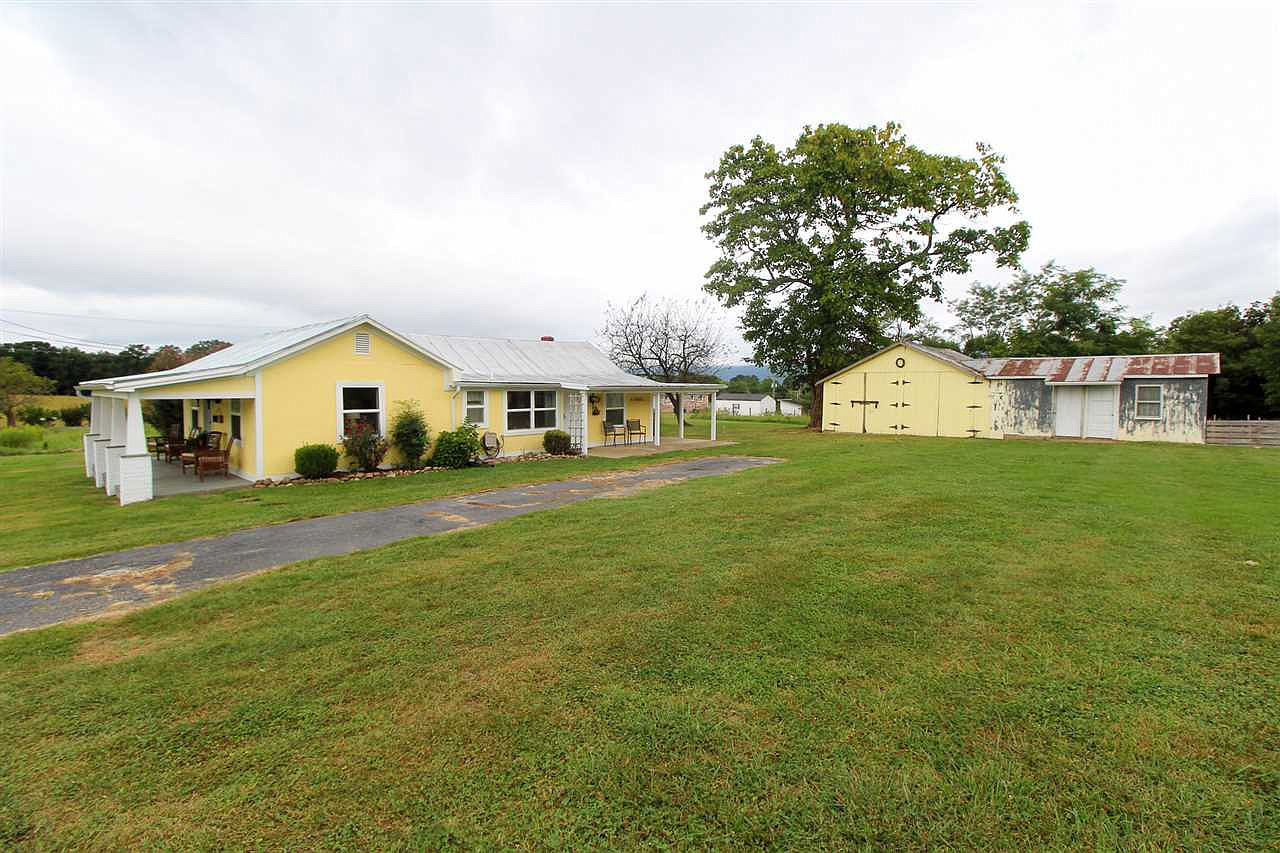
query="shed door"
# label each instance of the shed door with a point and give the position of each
(1068, 411)
(1100, 411)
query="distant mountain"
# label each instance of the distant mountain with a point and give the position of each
(744, 370)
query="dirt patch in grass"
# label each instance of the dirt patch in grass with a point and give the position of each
(99, 651)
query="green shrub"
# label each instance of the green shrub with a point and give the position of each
(23, 436)
(456, 449)
(557, 441)
(315, 461)
(364, 447)
(37, 415)
(410, 433)
(74, 415)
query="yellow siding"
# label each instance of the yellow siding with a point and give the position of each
(300, 397)
(637, 408)
(911, 393)
(210, 389)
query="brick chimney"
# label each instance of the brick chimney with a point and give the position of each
(547, 338)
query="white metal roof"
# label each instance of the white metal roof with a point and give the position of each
(571, 364)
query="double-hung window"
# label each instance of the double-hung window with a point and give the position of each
(615, 409)
(359, 404)
(531, 410)
(1150, 402)
(235, 419)
(475, 408)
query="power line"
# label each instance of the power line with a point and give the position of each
(139, 320)
(61, 337)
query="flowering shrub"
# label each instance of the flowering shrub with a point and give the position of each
(364, 446)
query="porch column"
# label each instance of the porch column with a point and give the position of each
(115, 447)
(586, 424)
(135, 464)
(89, 436)
(101, 441)
(657, 420)
(680, 412)
(713, 415)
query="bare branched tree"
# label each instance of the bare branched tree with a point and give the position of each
(666, 340)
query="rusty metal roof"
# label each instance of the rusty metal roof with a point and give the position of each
(1097, 369)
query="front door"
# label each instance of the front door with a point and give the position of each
(1100, 411)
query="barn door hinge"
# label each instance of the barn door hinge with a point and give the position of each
(975, 381)
(973, 433)
(974, 406)
(833, 423)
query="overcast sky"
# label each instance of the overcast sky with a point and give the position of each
(508, 170)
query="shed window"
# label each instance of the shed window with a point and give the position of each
(235, 419)
(531, 410)
(615, 409)
(476, 413)
(1150, 402)
(363, 345)
(360, 404)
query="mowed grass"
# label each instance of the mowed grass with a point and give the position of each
(883, 642)
(51, 511)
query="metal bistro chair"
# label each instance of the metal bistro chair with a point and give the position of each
(634, 427)
(614, 431)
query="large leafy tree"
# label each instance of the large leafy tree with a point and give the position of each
(16, 382)
(1249, 341)
(824, 244)
(1053, 311)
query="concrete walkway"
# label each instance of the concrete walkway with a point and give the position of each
(84, 588)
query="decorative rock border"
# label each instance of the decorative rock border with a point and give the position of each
(344, 477)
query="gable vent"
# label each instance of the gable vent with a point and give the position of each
(362, 343)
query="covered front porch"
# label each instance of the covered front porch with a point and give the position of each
(668, 445)
(167, 480)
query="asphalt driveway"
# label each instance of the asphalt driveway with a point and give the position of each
(87, 587)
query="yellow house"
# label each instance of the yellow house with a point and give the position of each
(309, 385)
(910, 389)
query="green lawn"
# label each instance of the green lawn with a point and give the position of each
(60, 439)
(883, 642)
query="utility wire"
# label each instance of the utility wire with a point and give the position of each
(139, 320)
(61, 337)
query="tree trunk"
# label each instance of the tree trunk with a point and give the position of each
(815, 407)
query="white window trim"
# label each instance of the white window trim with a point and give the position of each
(1137, 404)
(382, 405)
(533, 430)
(607, 407)
(484, 397)
(234, 411)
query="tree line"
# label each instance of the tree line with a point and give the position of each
(37, 367)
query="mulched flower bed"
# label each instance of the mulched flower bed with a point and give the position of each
(343, 476)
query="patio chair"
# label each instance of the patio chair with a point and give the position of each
(211, 461)
(614, 431)
(175, 445)
(212, 446)
(634, 427)
(156, 444)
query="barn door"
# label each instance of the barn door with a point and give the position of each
(1068, 411)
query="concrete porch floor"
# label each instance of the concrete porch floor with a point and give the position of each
(622, 451)
(167, 479)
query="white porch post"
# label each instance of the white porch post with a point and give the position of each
(115, 447)
(680, 415)
(657, 420)
(101, 441)
(586, 424)
(713, 415)
(89, 436)
(135, 463)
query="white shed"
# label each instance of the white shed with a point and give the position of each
(732, 403)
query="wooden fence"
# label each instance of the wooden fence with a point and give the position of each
(1250, 433)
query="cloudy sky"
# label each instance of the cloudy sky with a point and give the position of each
(507, 170)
